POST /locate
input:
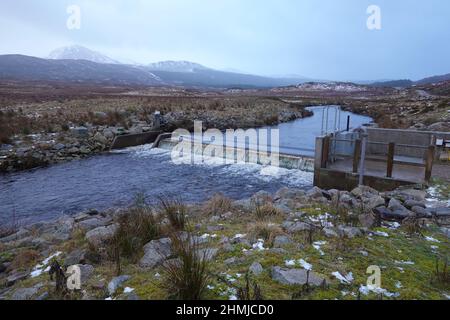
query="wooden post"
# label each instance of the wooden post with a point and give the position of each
(390, 159)
(356, 155)
(429, 163)
(325, 151)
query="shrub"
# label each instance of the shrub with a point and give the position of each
(265, 211)
(265, 231)
(217, 205)
(186, 278)
(175, 211)
(137, 227)
(25, 259)
(250, 292)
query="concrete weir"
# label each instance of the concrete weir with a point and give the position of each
(236, 155)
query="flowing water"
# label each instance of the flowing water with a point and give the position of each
(113, 179)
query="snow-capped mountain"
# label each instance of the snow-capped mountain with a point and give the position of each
(80, 53)
(176, 66)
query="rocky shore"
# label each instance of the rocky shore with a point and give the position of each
(289, 245)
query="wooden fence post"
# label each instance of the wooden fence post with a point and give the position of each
(429, 163)
(390, 160)
(356, 155)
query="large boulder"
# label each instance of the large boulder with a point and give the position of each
(99, 236)
(293, 227)
(24, 293)
(156, 252)
(256, 268)
(296, 276)
(117, 282)
(349, 232)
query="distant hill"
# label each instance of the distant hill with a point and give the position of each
(393, 83)
(85, 66)
(80, 53)
(408, 83)
(434, 79)
(19, 67)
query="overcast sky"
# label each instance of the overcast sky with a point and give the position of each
(321, 39)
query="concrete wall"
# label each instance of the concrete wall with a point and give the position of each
(329, 179)
(132, 140)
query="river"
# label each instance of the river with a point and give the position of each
(113, 179)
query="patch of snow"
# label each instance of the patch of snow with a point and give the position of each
(318, 246)
(343, 279)
(259, 245)
(305, 265)
(365, 290)
(405, 262)
(381, 234)
(431, 239)
(289, 263)
(398, 285)
(128, 290)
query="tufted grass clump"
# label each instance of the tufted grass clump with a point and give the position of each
(186, 278)
(217, 205)
(175, 211)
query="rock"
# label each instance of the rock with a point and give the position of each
(156, 252)
(367, 220)
(388, 214)
(364, 191)
(98, 137)
(394, 204)
(17, 276)
(90, 224)
(256, 268)
(441, 212)
(317, 193)
(373, 202)
(413, 203)
(59, 147)
(349, 232)
(75, 257)
(207, 254)
(413, 194)
(79, 132)
(99, 236)
(230, 261)
(2, 267)
(19, 235)
(330, 233)
(262, 198)
(421, 212)
(215, 228)
(85, 150)
(280, 251)
(298, 226)
(284, 206)
(295, 276)
(245, 204)
(289, 193)
(86, 273)
(24, 293)
(115, 283)
(281, 241)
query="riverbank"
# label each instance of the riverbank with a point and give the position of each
(41, 134)
(292, 244)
